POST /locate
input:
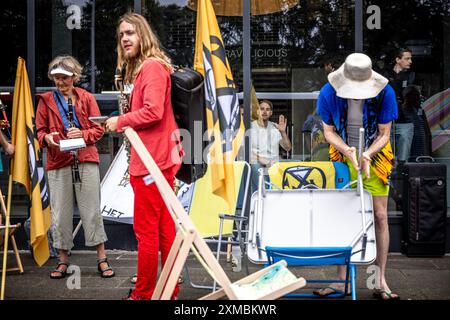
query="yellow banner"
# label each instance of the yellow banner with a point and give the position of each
(297, 175)
(26, 167)
(225, 128)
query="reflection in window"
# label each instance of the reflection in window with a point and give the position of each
(107, 14)
(62, 27)
(13, 28)
(67, 27)
(422, 26)
(294, 50)
(174, 23)
(424, 29)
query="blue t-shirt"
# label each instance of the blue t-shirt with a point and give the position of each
(333, 111)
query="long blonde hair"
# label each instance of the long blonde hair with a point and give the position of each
(150, 47)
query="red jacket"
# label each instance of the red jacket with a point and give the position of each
(151, 115)
(48, 119)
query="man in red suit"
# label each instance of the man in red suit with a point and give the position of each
(147, 70)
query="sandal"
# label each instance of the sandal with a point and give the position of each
(385, 295)
(331, 290)
(102, 271)
(62, 273)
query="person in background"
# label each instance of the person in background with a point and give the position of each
(266, 137)
(148, 69)
(63, 114)
(401, 76)
(330, 64)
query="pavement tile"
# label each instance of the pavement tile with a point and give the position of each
(411, 278)
(418, 279)
(403, 262)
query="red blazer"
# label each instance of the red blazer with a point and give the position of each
(48, 119)
(151, 115)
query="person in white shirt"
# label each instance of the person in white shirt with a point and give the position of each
(266, 137)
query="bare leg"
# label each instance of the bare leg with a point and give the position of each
(341, 274)
(382, 236)
(63, 257)
(101, 254)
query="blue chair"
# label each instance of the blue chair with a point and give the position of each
(319, 256)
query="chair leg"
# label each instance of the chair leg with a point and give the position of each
(353, 279)
(16, 252)
(242, 245)
(219, 244)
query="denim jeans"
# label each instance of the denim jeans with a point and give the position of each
(404, 133)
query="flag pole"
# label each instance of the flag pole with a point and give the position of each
(7, 213)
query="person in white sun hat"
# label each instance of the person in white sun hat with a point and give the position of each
(355, 97)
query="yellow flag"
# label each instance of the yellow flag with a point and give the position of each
(26, 167)
(225, 128)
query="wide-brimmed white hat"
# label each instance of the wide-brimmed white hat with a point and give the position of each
(61, 70)
(355, 78)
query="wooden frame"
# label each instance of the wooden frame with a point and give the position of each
(188, 238)
(8, 232)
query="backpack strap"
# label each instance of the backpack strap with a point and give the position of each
(411, 77)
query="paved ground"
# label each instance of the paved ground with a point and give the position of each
(411, 278)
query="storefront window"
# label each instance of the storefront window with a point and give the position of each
(423, 28)
(13, 28)
(289, 50)
(84, 29)
(174, 23)
(62, 27)
(107, 14)
(294, 45)
(289, 45)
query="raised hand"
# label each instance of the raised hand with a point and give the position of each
(282, 123)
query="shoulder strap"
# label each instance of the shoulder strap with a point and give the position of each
(411, 77)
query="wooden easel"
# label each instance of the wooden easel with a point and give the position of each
(188, 238)
(7, 231)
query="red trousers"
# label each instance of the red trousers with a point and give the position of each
(155, 231)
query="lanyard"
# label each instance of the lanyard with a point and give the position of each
(65, 112)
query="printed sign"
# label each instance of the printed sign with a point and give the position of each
(117, 196)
